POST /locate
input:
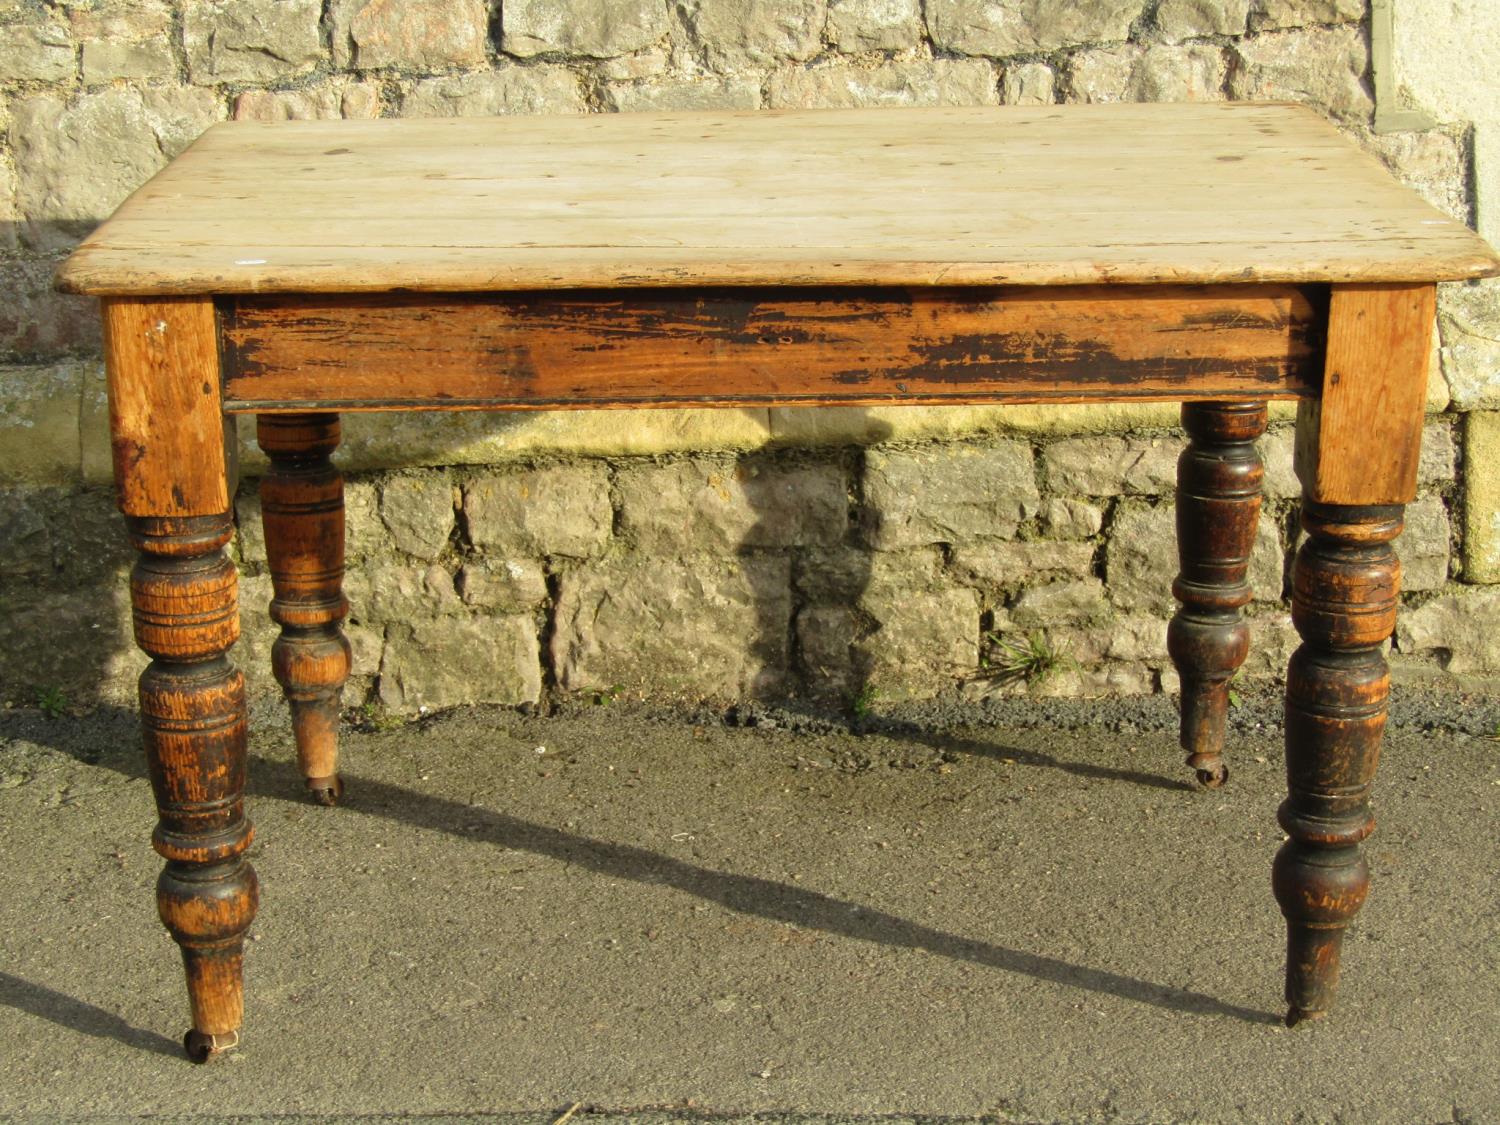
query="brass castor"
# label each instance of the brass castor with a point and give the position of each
(1213, 777)
(200, 1047)
(326, 791)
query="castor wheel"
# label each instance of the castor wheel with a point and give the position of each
(200, 1047)
(326, 791)
(1213, 777)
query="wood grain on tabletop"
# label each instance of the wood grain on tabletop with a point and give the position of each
(912, 197)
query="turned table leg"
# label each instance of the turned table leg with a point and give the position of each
(168, 439)
(1357, 450)
(1218, 503)
(302, 507)
(1344, 587)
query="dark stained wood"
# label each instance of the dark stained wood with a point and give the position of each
(1344, 594)
(183, 591)
(534, 351)
(1358, 442)
(302, 509)
(1218, 503)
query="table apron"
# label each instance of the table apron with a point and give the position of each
(758, 347)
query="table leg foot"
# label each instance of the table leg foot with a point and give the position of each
(1218, 503)
(186, 615)
(200, 1048)
(302, 506)
(1344, 594)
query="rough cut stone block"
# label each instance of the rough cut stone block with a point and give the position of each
(1482, 497)
(1003, 565)
(331, 101)
(414, 34)
(828, 644)
(922, 642)
(364, 531)
(453, 661)
(25, 540)
(251, 40)
(77, 160)
(1431, 163)
(729, 92)
(531, 89)
(1324, 67)
(597, 28)
(509, 585)
(725, 506)
(952, 494)
(1079, 599)
(1015, 27)
(41, 52)
(401, 593)
(1424, 545)
(1177, 20)
(1140, 559)
(249, 532)
(1111, 466)
(705, 627)
(1460, 629)
(1028, 84)
(39, 422)
(1469, 316)
(1071, 519)
(418, 510)
(875, 25)
(915, 82)
(841, 575)
(754, 32)
(1269, 14)
(649, 63)
(564, 510)
(129, 40)
(1127, 73)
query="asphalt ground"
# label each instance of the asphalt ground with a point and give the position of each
(1020, 913)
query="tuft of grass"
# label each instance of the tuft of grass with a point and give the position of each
(373, 717)
(52, 701)
(1030, 659)
(863, 701)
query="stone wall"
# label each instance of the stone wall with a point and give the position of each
(847, 554)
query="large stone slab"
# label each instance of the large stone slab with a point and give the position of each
(1014, 27)
(1460, 630)
(251, 40)
(875, 25)
(416, 34)
(452, 661)
(561, 510)
(697, 628)
(1111, 466)
(593, 28)
(726, 506)
(1325, 67)
(77, 159)
(418, 511)
(754, 32)
(952, 494)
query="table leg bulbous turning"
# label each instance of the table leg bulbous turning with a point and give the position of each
(1218, 503)
(1344, 593)
(186, 616)
(302, 506)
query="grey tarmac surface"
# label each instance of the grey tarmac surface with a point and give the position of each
(1019, 912)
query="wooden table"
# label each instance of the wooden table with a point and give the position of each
(1221, 255)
